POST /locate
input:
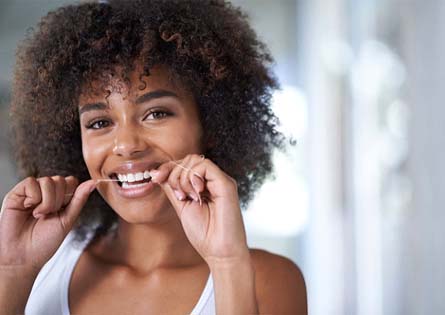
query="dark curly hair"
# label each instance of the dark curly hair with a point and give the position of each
(207, 44)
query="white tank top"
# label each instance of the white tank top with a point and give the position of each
(49, 294)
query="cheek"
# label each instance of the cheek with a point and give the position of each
(195, 136)
(93, 153)
(187, 142)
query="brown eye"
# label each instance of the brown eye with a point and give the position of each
(158, 114)
(98, 124)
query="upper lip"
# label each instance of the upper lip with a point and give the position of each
(134, 167)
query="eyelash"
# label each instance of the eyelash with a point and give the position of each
(153, 112)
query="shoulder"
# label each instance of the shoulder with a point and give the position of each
(280, 285)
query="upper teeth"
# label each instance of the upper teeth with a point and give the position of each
(133, 177)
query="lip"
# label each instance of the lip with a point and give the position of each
(134, 167)
(136, 192)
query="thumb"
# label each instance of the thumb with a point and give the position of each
(80, 197)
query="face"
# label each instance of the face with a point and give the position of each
(131, 131)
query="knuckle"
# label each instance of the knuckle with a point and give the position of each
(72, 179)
(29, 180)
(232, 181)
(57, 178)
(46, 180)
(173, 182)
(44, 208)
(195, 156)
(59, 181)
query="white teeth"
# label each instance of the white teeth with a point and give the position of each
(139, 176)
(135, 177)
(126, 185)
(131, 178)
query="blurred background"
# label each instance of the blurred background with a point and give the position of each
(356, 203)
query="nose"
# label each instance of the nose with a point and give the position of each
(128, 143)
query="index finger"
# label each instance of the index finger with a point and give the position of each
(71, 185)
(24, 195)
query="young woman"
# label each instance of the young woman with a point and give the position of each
(142, 128)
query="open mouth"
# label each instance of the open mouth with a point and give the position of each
(132, 180)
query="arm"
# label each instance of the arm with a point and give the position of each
(234, 284)
(15, 287)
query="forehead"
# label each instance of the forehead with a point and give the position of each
(132, 85)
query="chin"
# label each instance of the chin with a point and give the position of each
(140, 212)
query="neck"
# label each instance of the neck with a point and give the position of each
(146, 247)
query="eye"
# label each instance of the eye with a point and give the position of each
(157, 114)
(98, 124)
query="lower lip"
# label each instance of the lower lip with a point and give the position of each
(135, 192)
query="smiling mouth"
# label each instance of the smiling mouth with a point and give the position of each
(132, 180)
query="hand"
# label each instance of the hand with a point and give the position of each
(214, 226)
(36, 216)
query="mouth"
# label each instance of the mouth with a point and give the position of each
(132, 180)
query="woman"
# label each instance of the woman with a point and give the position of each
(162, 109)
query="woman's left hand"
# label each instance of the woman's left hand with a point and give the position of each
(206, 201)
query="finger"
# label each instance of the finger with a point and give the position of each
(185, 180)
(208, 176)
(24, 195)
(59, 188)
(197, 182)
(72, 210)
(32, 192)
(177, 203)
(48, 196)
(71, 185)
(175, 176)
(162, 173)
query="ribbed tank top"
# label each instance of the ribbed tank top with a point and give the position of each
(49, 294)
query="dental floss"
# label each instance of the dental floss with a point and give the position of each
(185, 168)
(172, 161)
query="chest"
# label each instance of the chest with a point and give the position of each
(96, 289)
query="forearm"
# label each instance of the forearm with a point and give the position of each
(234, 285)
(15, 287)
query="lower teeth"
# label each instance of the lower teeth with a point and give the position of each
(127, 185)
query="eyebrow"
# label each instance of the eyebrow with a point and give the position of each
(141, 99)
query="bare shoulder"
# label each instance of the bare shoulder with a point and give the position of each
(280, 285)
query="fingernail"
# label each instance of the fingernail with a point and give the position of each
(154, 174)
(198, 176)
(194, 197)
(194, 182)
(179, 194)
(37, 215)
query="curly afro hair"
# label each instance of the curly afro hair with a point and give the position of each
(207, 44)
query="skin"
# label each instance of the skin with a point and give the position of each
(167, 242)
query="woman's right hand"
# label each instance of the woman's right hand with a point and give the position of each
(36, 216)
